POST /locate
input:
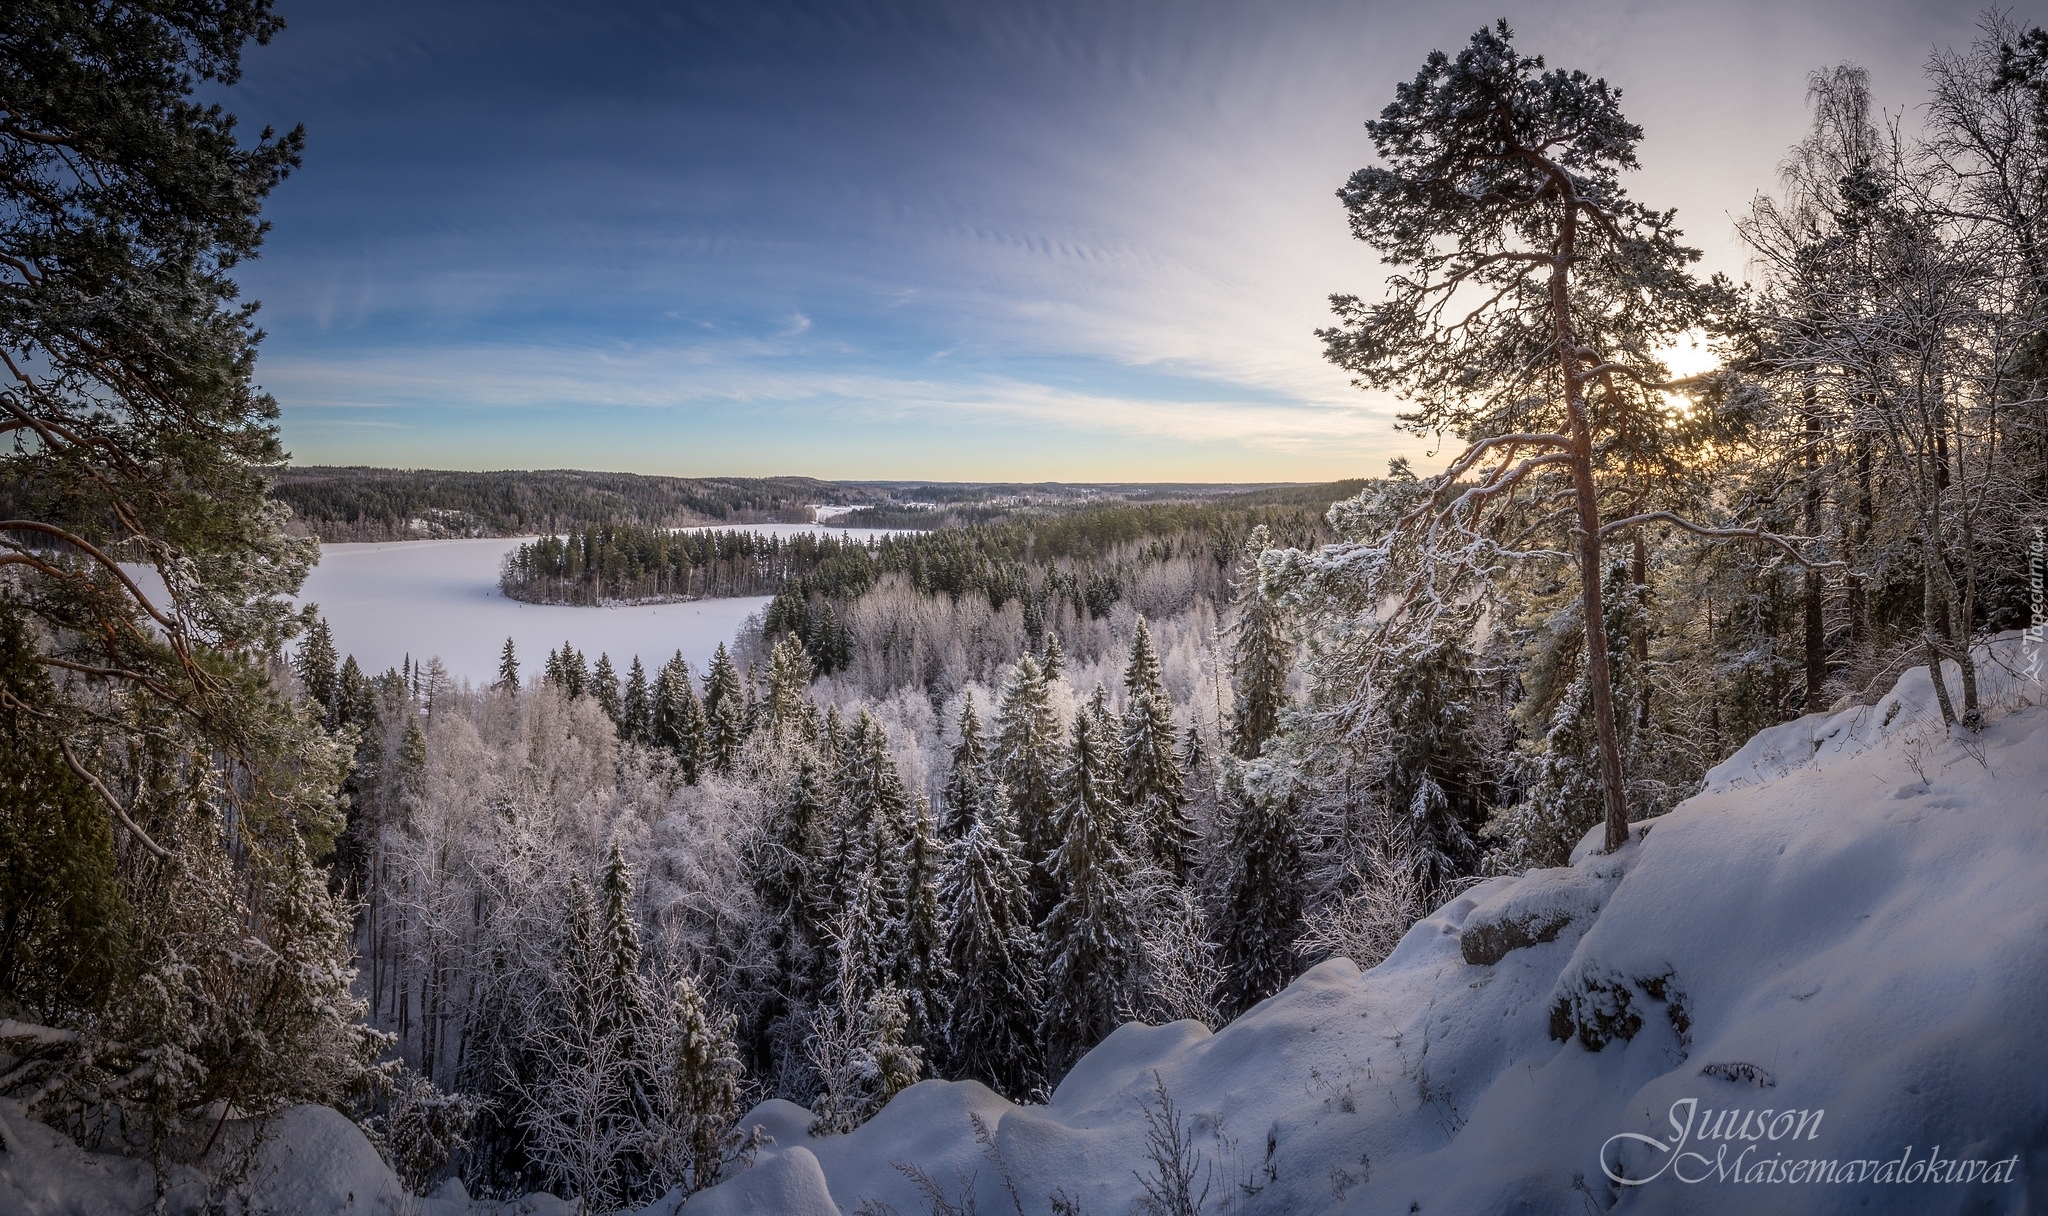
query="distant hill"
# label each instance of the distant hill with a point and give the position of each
(369, 504)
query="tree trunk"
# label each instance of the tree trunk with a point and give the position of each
(1816, 628)
(1599, 673)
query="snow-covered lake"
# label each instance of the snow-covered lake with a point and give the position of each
(427, 598)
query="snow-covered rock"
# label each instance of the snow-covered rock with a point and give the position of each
(1843, 938)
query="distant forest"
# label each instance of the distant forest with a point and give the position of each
(1086, 558)
(339, 504)
(365, 504)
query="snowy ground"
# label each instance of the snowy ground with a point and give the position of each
(427, 598)
(1850, 924)
(440, 597)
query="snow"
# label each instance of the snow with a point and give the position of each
(427, 598)
(1849, 919)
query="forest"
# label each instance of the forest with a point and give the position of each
(358, 504)
(964, 802)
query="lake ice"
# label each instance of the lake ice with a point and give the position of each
(427, 598)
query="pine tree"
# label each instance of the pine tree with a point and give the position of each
(1154, 789)
(604, 685)
(1259, 657)
(636, 706)
(991, 1031)
(508, 668)
(1262, 902)
(969, 778)
(1027, 757)
(1091, 934)
(315, 665)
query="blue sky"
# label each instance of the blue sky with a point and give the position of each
(959, 241)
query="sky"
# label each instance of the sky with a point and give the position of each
(1040, 240)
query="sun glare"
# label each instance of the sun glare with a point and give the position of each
(1689, 355)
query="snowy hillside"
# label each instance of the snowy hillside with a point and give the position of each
(1849, 924)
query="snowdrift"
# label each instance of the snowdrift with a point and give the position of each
(1837, 953)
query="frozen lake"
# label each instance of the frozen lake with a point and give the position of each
(425, 598)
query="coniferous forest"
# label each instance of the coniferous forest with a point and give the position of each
(962, 801)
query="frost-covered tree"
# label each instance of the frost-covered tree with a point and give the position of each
(700, 1083)
(724, 711)
(677, 722)
(1091, 935)
(991, 948)
(917, 943)
(508, 668)
(1154, 789)
(1262, 902)
(789, 682)
(604, 685)
(636, 705)
(1260, 655)
(1027, 758)
(969, 779)
(316, 665)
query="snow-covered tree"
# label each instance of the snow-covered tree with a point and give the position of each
(969, 778)
(1260, 656)
(636, 704)
(1091, 935)
(508, 668)
(1027, 758)
(991, 948)
(604, 685)
(1154, 790)
(700, 1082)
(1262, 903)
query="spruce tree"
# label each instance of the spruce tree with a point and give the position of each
(677, 720)
(1262, 901)
(315, 665)
(917, 948)
(1259, 657)
(790, 855)
(991, 1031)
(789, 682)
(1055, 661)
(604, 685)
(508, 668)
(1027, 757)
(1434, 783)
(1091, 935)
(636, 704)
(1154, 790)
(969, 778)
(701, 1090)
(724, 712)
